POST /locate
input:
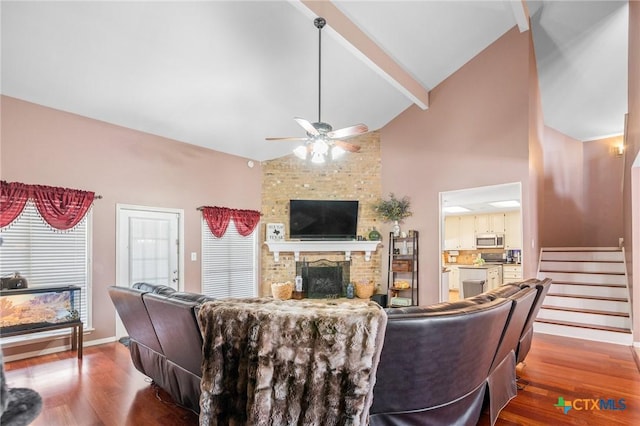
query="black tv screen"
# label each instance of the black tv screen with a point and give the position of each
(323, 219)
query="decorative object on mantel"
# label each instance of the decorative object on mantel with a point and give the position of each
(321, 138)
(394, 210)
(252, 348)
(374, 235)
(275, 232)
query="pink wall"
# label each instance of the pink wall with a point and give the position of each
(602, 186)
(563, 206)
(45, 146)
(535, 197)
(631, 203)
(475, 133)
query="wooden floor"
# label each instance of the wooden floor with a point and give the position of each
(105, 388)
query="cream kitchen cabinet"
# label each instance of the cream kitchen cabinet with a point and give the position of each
(511, 273)
(451, 233)
(454, 277)
(494, 277)
(459, 233)
(467, 233)
(490, 223)
(513, 231)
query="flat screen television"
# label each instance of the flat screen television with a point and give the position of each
(323, 220)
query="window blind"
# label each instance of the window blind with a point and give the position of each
(229, 263)
(46, 257)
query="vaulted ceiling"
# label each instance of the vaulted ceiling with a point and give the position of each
(227, 74)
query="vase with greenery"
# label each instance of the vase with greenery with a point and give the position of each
(394, 210)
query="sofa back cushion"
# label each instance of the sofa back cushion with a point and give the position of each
(133, 313)
(177, 329)
(521, 306)
(432, 359)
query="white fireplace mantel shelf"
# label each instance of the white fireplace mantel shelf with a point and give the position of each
(297, 247)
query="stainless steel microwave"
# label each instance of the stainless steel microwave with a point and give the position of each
(489, 241)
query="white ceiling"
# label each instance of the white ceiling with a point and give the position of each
(227, 74)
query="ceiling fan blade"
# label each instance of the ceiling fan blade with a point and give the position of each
(306, 125)
(346, 132)
(347, 146)
(294, 139)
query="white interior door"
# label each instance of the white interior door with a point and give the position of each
(148, 248)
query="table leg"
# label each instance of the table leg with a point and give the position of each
(80, 338)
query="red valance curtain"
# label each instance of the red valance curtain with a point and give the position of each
(61, 208)
(218, 219)
(13, 198)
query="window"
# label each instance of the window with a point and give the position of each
(46, 257)
(229, 263)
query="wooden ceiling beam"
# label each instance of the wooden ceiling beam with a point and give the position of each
(366, 49)
(521, 14)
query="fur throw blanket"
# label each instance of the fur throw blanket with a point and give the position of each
(289, 362)
(18, 406)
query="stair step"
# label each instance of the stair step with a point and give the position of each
(589, 267)
(583, 296)
(596, 255)
(583, 316)
(580, 331)
(615, 291)
(586, 311)
(583, 278)
(610, 304)
(589, 284)
(587, 326)
(570, 249)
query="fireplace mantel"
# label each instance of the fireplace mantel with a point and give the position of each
(298, 247)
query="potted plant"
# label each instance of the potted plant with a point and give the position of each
(394, 210)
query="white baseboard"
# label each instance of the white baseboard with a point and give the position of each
(57, 349)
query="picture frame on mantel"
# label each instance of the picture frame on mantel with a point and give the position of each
(275, 232)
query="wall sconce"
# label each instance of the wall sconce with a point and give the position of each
(618, 150)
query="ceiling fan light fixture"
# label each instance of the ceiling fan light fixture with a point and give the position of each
(317, 158)
(320, 147)
(301, 152)
(337, 152)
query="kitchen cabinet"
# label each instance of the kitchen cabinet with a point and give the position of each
(490, 223)
(494, 277)
(459, 233)
(451, 232)
(403, 270)
(454, 277)
(467, 233)
(513, 231)
(511, 273)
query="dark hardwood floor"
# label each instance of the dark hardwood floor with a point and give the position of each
(105, 389)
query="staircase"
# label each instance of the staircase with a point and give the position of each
(589, 294)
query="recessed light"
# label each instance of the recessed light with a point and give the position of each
(509, 203)
(455, 209)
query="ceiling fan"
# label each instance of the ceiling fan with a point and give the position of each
(321, 138)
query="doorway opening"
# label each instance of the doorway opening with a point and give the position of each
(487, 212)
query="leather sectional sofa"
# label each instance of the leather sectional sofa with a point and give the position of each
(440, 364)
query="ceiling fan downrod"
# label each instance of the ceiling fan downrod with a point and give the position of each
(319, 22)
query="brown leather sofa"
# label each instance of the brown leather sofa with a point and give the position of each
(443, 364)
(440, 364)
(164, 337)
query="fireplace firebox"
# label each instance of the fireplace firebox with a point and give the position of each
(323, 279)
